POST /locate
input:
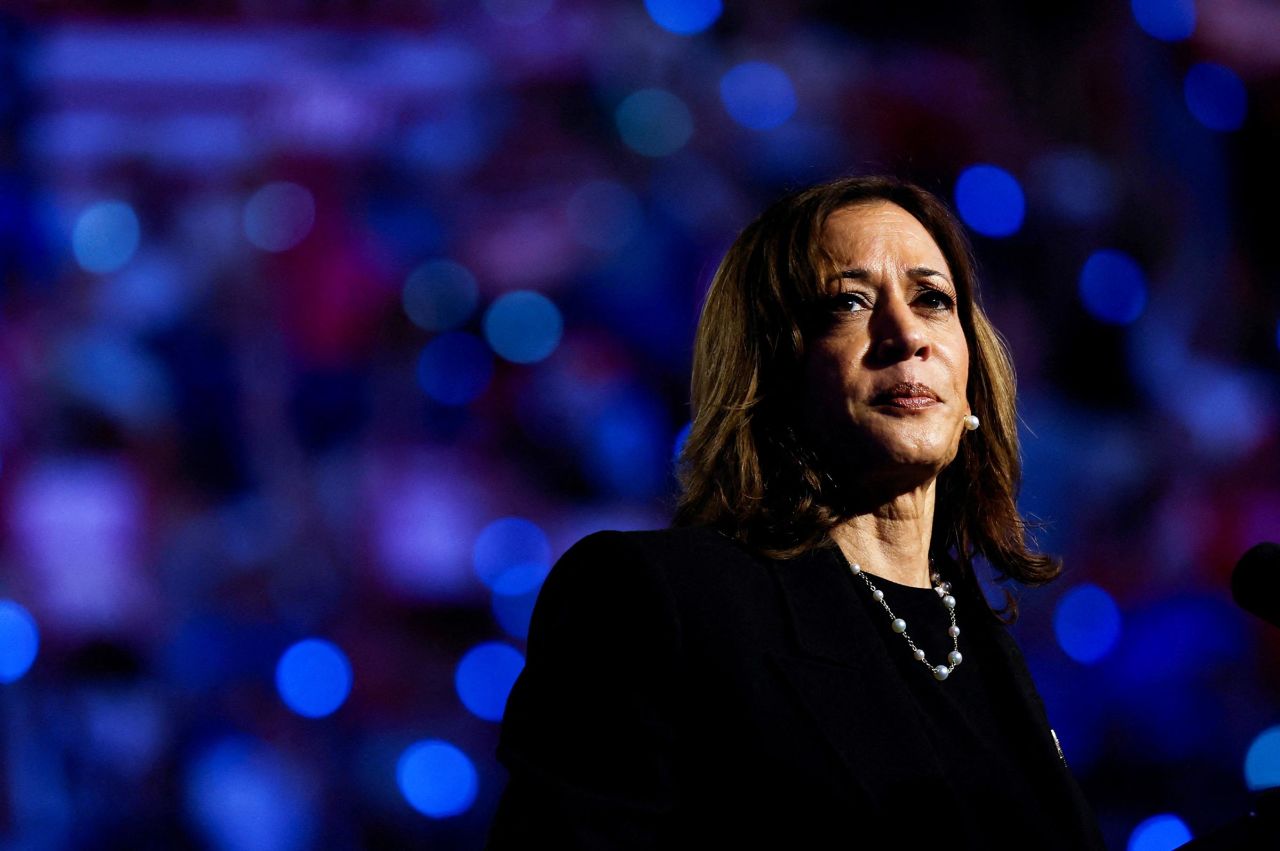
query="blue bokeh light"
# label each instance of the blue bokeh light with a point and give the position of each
(604, 215)
(523, 326)
(484, 678)
(1202, 389)
(1168, 640)
(512, 555)
(1215, 96)
(243, 794)
(279, 216)
(629, 441)
(455, 368)
(1113, 287)
(684, 17)
(105, 236)
(440, 295)
(513, 612)
(1087, 623)
(117, 374)
(654, 122)
(758, 95)
(436, 778)
(1262, 761)
(990, 200)
(1159, 833)
(19, 641)
(314, 677)
(1167, 20)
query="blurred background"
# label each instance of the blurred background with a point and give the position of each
(327, 325)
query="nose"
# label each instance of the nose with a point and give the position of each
(898, 333)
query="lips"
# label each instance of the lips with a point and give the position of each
(906, 393)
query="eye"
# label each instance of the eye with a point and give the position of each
(937, 299)
(850, 302)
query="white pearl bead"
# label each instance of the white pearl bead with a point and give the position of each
(971, 422)
(899, 625)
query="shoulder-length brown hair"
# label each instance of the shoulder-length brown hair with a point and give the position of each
(743, 468)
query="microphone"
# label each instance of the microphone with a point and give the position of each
(1255, 582)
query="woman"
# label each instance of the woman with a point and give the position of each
(805, 659)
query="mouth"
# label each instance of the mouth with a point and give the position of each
(911, 395)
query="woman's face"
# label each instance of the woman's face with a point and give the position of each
(885, 377)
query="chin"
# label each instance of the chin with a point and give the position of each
(933, 456)
(913, 444)
(933, 462)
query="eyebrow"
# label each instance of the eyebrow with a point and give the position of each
(860, 274)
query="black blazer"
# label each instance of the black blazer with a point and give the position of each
(682, 692)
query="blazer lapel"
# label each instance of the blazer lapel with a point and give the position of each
(846, 682)
(1066, 794)
(848, 685)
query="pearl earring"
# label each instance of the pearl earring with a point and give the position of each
(971, 423)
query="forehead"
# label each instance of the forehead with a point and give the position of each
(876, 232)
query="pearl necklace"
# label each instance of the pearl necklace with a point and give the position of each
(943, 590)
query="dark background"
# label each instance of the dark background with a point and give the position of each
(339, 321)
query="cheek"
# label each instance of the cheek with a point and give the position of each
(959, 351)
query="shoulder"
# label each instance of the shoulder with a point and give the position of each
(674, 542)
(680, 558)
(627, 564)
(710, 584)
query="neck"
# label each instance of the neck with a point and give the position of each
(892, 540)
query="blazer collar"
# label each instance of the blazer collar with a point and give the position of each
(820, 596)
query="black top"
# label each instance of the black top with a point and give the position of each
(680, 691)
(967, 716)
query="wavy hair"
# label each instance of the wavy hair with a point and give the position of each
(743, 469)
